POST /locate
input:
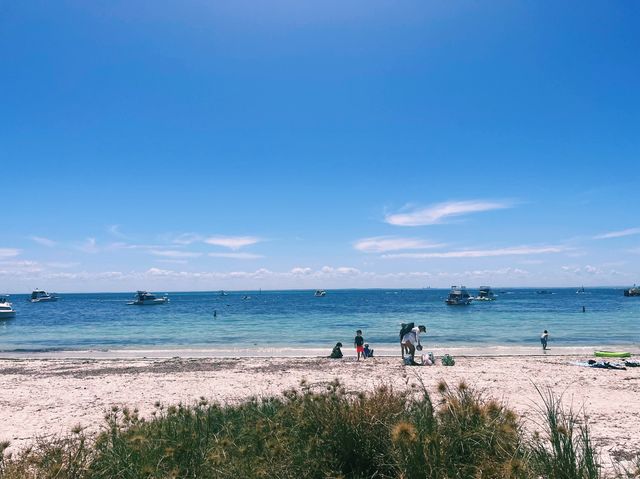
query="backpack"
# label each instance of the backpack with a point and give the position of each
(447, 360)
(405, 328)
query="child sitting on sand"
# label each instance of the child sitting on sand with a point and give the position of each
(336, 352)
(368, 352)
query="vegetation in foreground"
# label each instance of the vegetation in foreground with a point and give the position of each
(328, 434)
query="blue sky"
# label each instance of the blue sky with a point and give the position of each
(285, 144)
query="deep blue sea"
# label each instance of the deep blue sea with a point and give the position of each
(298, 320)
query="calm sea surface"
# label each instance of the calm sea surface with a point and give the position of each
(297, 319)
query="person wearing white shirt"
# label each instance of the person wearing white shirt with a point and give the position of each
(411, 340)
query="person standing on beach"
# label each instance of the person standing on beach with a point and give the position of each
(358, 342)
(544, 337)
(411, 340)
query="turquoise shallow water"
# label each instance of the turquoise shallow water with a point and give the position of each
(297, 319)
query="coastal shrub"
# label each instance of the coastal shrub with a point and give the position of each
(565, 451)
(322, 431)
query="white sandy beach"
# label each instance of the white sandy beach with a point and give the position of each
(43, 397)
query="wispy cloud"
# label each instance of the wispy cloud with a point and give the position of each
(381, 244)
(236, 255)
(439, 212)
(618, 234)
(43, 241)
(486, 253)
(90, 245)
(114, 230)
(172, 253)
(9, 252)
(232, 242)
(188, 238)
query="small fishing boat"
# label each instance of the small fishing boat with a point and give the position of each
(6, 310)
(143, 298)
(580, 290)
(458, 296)
(635, 291)
(319, 293)
(485, 294)
(40, 296)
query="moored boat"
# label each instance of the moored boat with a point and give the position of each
(40, 296)
(144, 298)
(485, 294)
(458, 296)
(635, 291)
(6, 310)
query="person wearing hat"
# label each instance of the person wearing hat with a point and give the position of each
(411, 340)
(336, 352)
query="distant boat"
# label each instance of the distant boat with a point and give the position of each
(543, 291)
(6, 311)
(458, 296)
(485, 294)
(580, 290)
(143, 298)
(319, 293)
(222, 293)
(40, 296)
(635, 291)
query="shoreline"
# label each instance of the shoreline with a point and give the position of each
(313, 352)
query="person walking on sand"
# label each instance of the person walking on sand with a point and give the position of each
(358, 342)
(411, 340)
(544, 337)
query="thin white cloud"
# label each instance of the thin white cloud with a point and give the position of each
(61, 265)
(120, 245)
(172, 253)
(89, 246)
(512, 251)
(437, 213)
(43, 241)
(9, 252)
(188, 238)
(618, 234)
(232, 242)
(114, 230)
(236, 255)
(382, 244)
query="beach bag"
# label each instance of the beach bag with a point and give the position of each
(406, 328)
(447, 360)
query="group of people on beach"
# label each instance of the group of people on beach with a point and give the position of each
(362, 349)
(409, 343)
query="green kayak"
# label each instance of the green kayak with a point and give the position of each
(612, 354)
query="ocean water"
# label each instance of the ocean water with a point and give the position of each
(275, 321)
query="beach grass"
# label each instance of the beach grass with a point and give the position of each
(323, 431)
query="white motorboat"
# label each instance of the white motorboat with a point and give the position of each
(6, 311)
(458, 296)
(485, 294)
(319, 293)
(143, 298)
(40, 296)
(635, 291)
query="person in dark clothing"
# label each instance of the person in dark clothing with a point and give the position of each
(336, 352)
